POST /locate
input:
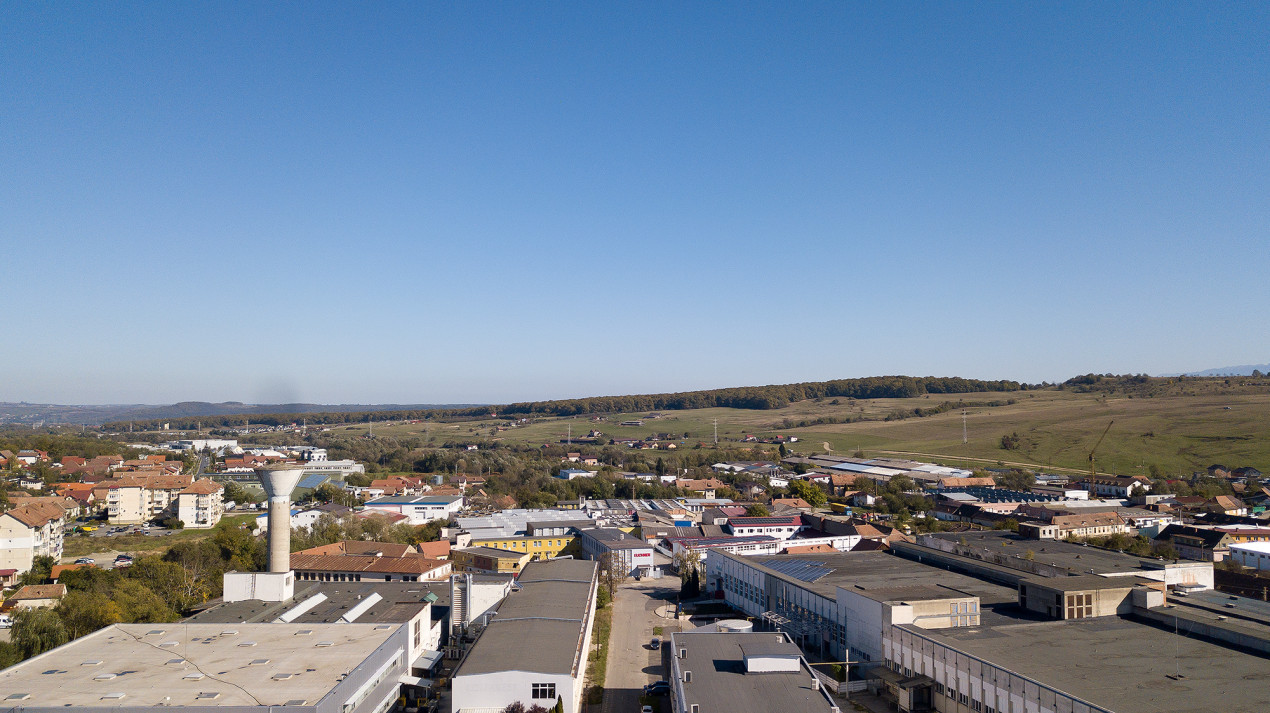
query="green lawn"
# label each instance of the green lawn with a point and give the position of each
(598, 664)
(80, 545)
(1180, 431)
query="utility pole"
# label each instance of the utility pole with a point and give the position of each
(569, 438)
(964, 440)
(716, 431)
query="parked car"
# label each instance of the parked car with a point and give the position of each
(85, 560)
(646, 709)
(657, 688)
(656, 643)
(88, 528)
(6, 621)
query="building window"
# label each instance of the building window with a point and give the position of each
(544, 690)
(1080, 606)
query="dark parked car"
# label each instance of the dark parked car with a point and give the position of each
(657, 688)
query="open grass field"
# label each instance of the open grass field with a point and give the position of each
(1179, 430)
(80, 545)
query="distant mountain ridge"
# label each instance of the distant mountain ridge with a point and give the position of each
(95, 415)
(1245, 370)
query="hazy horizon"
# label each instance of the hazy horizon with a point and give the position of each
(326, 203)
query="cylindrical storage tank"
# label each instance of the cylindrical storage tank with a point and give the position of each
(279, 481)
(734, 626)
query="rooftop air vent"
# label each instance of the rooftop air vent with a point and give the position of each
(282, 676)
(207, 695)
(104, 677)
(116, 696)
(92, 662)
(258, 662)
(247, 643)
(196, 676)
(324, 643)
(17, 696)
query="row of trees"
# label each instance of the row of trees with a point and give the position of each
(156, 588)
(329, 529)
(749, 397)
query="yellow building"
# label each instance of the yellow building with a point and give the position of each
(538, 548)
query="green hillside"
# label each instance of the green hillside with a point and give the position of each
(1177, 426)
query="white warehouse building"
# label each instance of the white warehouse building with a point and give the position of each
(534, 649)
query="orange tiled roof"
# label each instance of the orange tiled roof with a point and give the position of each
(36, 514)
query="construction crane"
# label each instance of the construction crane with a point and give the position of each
(1092, 473)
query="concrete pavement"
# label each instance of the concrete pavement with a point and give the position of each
(632, 662)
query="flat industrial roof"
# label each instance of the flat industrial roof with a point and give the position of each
(538, 628)
(881, 576)
(1087, 582)
(1068, 555)
(720, 683)
(1120, 664)
(194, 665)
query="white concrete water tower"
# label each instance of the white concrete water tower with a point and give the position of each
(279, 480)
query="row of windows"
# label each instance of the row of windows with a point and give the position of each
(523, 544)
(352, 577)
(950, 691)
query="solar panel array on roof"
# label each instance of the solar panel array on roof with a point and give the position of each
(802, 570)
(313, 480)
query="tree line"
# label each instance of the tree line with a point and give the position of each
(748, 397)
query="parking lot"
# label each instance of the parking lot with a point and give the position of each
(103, 530)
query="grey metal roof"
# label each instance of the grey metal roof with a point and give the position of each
(719, 681)
(540, 627)
(881, 576)
(1120, 664)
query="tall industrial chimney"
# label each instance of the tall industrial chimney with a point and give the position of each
(279, 481)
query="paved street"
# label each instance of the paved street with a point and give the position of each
(632, 662)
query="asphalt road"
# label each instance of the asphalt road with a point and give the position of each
(632, 662)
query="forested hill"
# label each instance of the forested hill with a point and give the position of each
(748, 397)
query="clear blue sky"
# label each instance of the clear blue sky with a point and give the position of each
(484, 202)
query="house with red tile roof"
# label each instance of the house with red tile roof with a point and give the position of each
(201, 505)
(36, 596)
(30, 531)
